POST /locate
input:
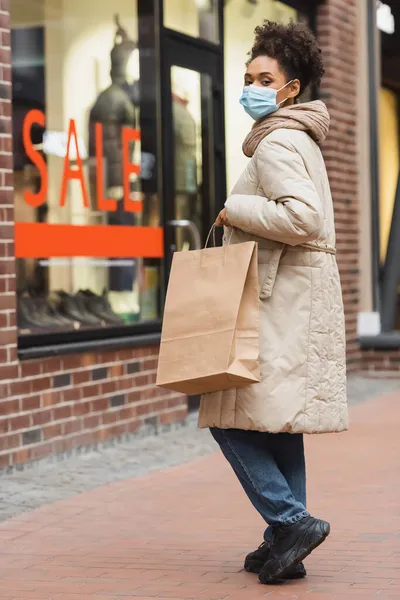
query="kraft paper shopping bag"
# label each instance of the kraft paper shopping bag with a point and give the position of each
(210, 335)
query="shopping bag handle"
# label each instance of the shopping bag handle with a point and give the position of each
(212, 233)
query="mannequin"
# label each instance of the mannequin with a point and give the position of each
(116, 107)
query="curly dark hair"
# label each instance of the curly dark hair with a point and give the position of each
(294, 47)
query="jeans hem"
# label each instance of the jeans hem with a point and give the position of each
(297, 518)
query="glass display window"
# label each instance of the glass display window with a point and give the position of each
(89, 241)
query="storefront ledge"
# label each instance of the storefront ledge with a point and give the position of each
(101, 345)
(383, 341)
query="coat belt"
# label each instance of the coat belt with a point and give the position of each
(320, 248)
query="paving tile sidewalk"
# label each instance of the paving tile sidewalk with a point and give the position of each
(182, 533)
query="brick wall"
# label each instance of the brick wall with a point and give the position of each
(381, 362)
(336, 30)
(53, 405)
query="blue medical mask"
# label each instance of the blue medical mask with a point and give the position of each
(259, 102)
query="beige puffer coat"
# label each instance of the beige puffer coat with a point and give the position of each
(283, 202)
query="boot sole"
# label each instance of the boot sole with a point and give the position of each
(282, 575)
(257, 568)
(283, 579)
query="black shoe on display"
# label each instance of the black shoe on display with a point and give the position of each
(32, 313)
(53, 309)
(47, 317)
(100, 307)
(74, 308)
(291, 545)
(255, 561)
(25, 311)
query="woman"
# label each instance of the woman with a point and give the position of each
(283, 202)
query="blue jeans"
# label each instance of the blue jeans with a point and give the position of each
(271, 468)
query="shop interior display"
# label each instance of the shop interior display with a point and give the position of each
(60, 310)
(117, 107)
(47, 294)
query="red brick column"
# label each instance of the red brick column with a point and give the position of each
(337, 34)
(8, 334)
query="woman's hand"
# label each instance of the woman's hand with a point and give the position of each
(222, 219)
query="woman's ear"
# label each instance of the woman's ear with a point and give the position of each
(294, 89)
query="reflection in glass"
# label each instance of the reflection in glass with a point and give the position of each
(197, 18)
(187, 125)
(76, 107)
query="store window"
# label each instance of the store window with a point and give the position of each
(89, 241)
(243, 16)
(196, 18)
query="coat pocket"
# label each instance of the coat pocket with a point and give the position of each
(271, 272)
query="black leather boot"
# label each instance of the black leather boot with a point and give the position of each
(255, 561)
(291, 545)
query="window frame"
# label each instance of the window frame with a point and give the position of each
(39, 344)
